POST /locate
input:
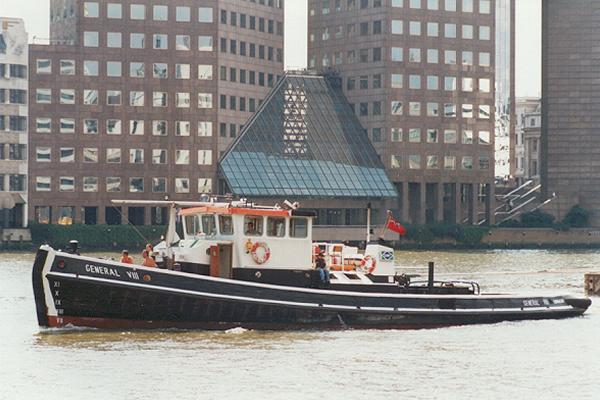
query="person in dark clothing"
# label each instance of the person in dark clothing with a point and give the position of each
(322, 268)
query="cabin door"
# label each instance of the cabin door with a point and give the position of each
(221, 260)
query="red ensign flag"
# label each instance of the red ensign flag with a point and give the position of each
(396, 226)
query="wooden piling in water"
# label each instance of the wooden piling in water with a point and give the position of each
(592, 284)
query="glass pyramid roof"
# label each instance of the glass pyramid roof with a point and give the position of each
(305, 140)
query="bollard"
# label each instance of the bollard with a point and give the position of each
(592, 284)
(430, 279)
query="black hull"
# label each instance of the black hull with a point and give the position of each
(96, 293)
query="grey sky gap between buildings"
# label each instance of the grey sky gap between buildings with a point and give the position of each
(36, 16)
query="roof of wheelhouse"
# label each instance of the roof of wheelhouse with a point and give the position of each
(305, 140)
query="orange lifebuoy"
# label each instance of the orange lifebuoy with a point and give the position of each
(260, 252)
(368, 264)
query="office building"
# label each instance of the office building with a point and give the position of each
(570, 139)
(137, 99)
(421, 76)
(13, 123)
(529, 128)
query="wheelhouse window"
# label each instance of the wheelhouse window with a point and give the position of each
(209, 225)
(253, 225)
(299, 227)
(276, 227)
(226, 224)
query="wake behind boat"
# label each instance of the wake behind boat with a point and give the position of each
(243, 265)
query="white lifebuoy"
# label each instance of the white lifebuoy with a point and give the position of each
(368, 264)
(260, 252)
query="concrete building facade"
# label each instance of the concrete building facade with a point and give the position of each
(570, 139)
(137, 100)
(421, 77)
(13, 123)
(529, 129)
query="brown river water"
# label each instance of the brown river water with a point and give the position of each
(516, 360)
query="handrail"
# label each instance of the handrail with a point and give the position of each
(529, 182)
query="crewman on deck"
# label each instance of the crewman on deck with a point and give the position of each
(148, 261)
(321, 266)
(126, 258)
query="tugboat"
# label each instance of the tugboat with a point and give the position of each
(244, 265)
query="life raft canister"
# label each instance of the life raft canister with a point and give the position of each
(260, 252)
(368, 264)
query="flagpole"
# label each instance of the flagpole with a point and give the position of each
(384, 228)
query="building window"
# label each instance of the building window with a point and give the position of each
(414, 28)
(414, 135)
(396, 107)
(113, 184)
(136, 99)
(160, 70)
(205, 128)
(43, 154)
(467, 162)
(67, 67)
(136, 185)
(205, 43)
(182, 71)
(205, 72)
(90, 126)
(484, 85)
(160, 42)
(484, 163)
(113, 156)
(113, 39)
(160, 13)
(484, 6)
(396, 81)
(484, 33)
(397, 27)
(484, 59)
(467, 110)
(204, 157)
(114, 11)
(137, 40)
(414, 161)
(67, 125)
(159, 99)
(182, 157)
(449, 162)
(67, 184)
(205, 100)
(90, 184)
(484, 137)
(113, 97)
(182, 42)
(159, 156)
(414, 55)
(432, 135)
(182, 185)
(183, 14)
(91, 9)
(159, 128)
(449, 110)
(205, 14)
(159, 185)
(90, 155)
(182, 100)
(43, 215)
(467, 137)
(433, 162)
(90, 39)
(67, 154)
(396, 161)
(43, 183)
(450, 31)
(136, 69)
(450, 5)
(43, 96)
(42, 125)
(396, 54)
(204, 185)
(90, 68)
(414, 108)
(43, 66)
(449, 136)
(113, 69)
(113, 127)
(136, 156)
(136, 127)
(182, 128)
(90, 97)
(484, 112)
(137, 11)
(433, 109)
(467, 31)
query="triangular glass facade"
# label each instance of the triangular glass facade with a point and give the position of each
(305, 141)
